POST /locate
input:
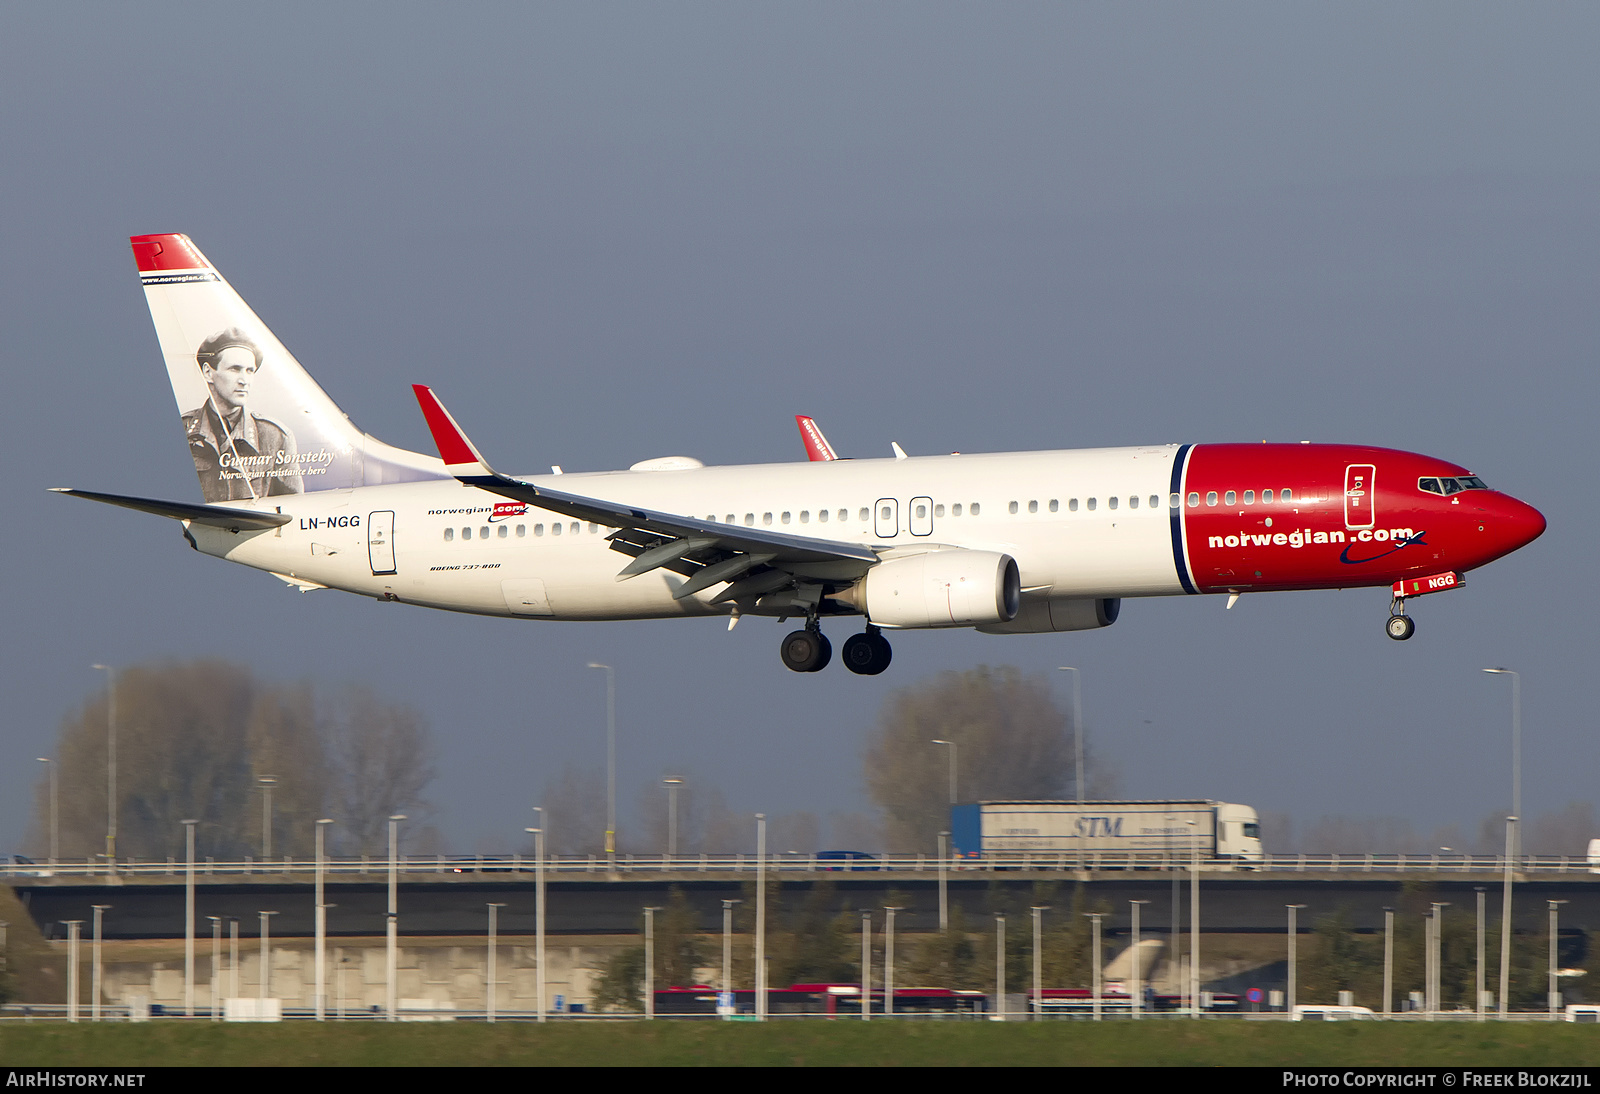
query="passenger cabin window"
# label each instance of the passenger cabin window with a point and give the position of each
(505, 530)
(593, 528)
(822, 515)
(1013, 507)
(1155, 501)
(1194, 500)
(1033, 507)
(922, 512)
(1266, 497)
(1286, 494)
(973, 508)
(466, 533)
(766, 518)
(886, 512)
(449, 534)
(538, 529)
(866, 514)
(1112, 502)
(1133, 502)
(1173, 501)
(1094, 503)
(805, 516)
(750, 520)
(555, 529)
(1072, 505)
(1211, 497)
(938, 510)
(1249, 497)
(1231, 498)
(1055, 505)
(785, 517)
(522, 531)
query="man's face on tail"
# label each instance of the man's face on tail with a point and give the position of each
(230, 379)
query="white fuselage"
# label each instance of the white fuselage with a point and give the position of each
(464, 549)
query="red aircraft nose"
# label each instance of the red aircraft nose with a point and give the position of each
(1506, 525)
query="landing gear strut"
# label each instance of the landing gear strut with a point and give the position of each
(868, 653)
(1400, 626)
(806, 650)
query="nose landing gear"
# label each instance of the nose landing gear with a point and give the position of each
(1400, 626)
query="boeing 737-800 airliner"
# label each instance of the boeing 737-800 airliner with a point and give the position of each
(1008, 543)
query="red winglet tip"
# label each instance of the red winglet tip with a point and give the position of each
(453, 446)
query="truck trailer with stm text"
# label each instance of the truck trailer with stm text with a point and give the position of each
(1145, 833)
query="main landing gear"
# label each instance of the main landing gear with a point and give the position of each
(809, 650)
(1400, 626)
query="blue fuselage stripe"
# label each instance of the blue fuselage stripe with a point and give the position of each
(1178, 563)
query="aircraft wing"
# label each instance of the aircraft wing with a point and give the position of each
(216, 516)
(707, 552)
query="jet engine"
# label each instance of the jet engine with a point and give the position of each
(951, 588)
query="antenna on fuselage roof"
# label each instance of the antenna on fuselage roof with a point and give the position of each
(899, 453)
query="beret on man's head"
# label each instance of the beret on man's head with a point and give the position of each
(206, 356)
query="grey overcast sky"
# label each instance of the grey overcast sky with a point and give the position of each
(607, 232)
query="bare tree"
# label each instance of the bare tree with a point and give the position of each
(575, 812)
(1012, 741)
(383, 761)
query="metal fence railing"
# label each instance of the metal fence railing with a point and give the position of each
(445, 866)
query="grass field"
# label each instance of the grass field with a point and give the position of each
(801, 1043)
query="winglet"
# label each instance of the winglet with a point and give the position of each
(818, 450)
(461, 457)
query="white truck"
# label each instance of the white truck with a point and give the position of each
(1114, 832)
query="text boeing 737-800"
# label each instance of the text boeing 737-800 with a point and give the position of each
(1008, 543)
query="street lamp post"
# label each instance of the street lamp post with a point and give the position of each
(1388, 961)
(672, 783)
(1194, 919)
(538, 915)
(188, 918)
(1077, 731)
(1095, 919)
(1505, 919)
(866, 965)
(216, 967)
(266, 782)
(94, 976)
(322, 923)
(1294, 939)
(1435, 958)
(392, 926)
(1038, 965)
(1137, 988)
(727, 943)
(74, 927)
(55, 812)
(490, 969)
(265, 987)
(944, 886)
(888, 959)
(1553, 997)
(650, 962)
(611, 759)
(111, 764)
(1477, 1005)
(1000, 965)
(761, 917)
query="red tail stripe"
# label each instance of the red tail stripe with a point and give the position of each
(167, 252)
(453, 447)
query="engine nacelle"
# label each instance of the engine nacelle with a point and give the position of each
(952, 588)
(1040, 615)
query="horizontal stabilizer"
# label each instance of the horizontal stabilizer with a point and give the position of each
(233, 520)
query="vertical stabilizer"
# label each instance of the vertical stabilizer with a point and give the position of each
(256, 423)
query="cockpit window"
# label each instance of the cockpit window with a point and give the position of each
(1447, 486)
